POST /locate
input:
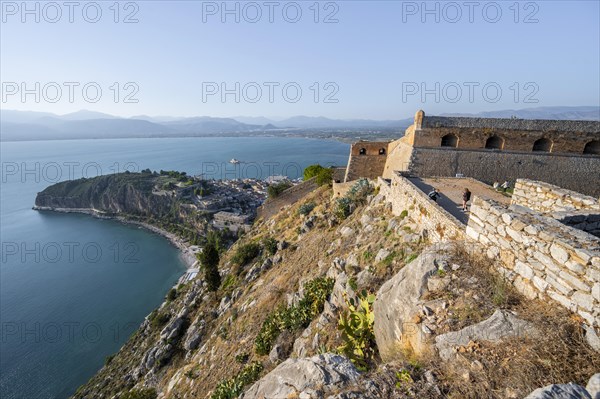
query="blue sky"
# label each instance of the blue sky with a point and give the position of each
(374, 62)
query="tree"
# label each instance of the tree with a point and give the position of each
(209, 259)
(275, 190)
(312, 171)
(323, 175)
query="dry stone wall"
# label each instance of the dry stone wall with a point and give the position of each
(288, 197)
(540, 256)
(547, 198)
(436, 221)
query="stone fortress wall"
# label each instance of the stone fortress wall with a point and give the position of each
(539, 254)
(290, 196)
(565, 153)
(578, 173)
(436, 222)
(546, 242)
(367, 159)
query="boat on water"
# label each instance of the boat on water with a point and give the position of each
(234, 161)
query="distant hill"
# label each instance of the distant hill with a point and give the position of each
(84, 124)
(561, 113)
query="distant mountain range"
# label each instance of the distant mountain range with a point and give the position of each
(84, 124)
(561, 113)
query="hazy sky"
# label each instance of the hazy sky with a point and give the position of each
(373, 59)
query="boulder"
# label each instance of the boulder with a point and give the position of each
(398, 301)
(194, 335)
(173, 329)
(593, 386)
(346, 231)
(276, 354)
(502, 324)
(560, 391)
(592, 338)
(312, 377)
(381, 255)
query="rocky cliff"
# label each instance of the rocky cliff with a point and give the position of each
(340, 299)
(124, 193)
(161, 200)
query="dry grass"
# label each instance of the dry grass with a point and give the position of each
(558, 353)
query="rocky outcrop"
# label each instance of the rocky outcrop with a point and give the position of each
(593, 386)
(502, 324)
(123, 193)
(314, 377)
(569, 391)
(400, 298)
(560, 391)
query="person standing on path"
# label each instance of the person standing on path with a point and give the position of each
(466, 199)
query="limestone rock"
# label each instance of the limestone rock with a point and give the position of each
(398, 300)
(382, 254)
(365, 278)
(593, 386)
(560, 391)
(346, 231)
(194, 335)
(500, 325)
(312, 377)
(592, 338)
(276, 354)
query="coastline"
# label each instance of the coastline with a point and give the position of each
(187, 254)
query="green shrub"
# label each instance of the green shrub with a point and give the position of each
(356, 325)
(108, 359)
(323, 175)
(267, 335)
(158, 319)
(359, 192)
(172, 294)
(230, 281)
(232, 388)
(275, 189)
(242, 358)
(357, 195)
(245, 253)
(342, 208)
(312, 171)
(306, 209)
(290, 318)
(270, 245)
(209, 260)
(149, 393)
(403, 214)
(389, 259)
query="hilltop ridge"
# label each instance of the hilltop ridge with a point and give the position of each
(320, 252)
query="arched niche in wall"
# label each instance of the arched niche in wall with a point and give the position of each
(494, 143)
(542, 145)
(449, 140)
(593, 147)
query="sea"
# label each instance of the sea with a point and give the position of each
(73, 288)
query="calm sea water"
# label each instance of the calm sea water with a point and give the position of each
(73, 288)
